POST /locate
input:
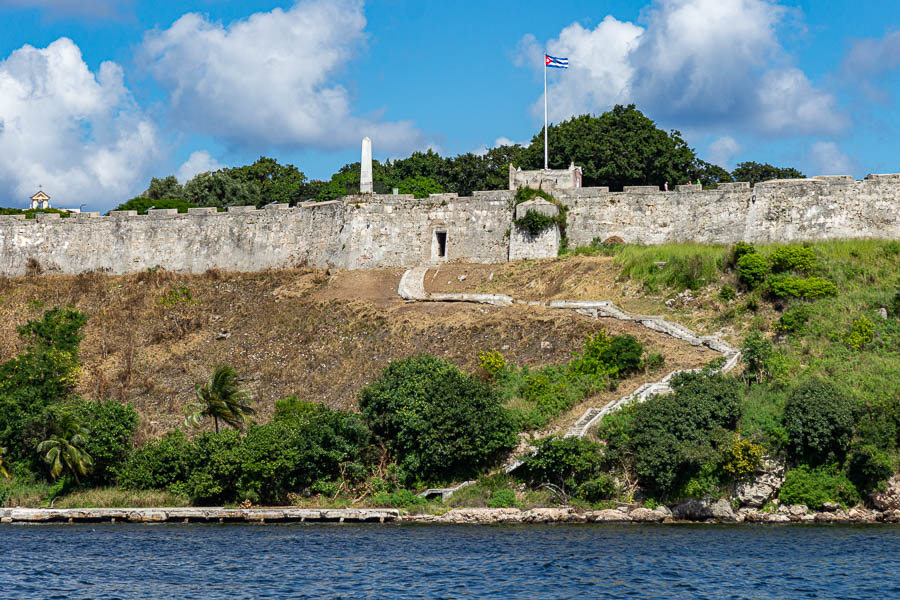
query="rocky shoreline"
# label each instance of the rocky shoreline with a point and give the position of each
(720, 512)
(689, 512)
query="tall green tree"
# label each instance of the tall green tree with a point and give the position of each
(164, 187)
(44, 373)
(620, 147)
(496, 165)
(64, 450)
(221, 189)
(419, 186)
(420, 164)
(222, 397)
(276, 183)
(710, 175)
(755, 172)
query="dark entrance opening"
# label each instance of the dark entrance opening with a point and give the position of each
(441, 237)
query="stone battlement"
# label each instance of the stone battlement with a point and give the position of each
(376, 230)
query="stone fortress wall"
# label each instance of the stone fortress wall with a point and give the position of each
(372, 230)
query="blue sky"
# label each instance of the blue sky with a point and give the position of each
(96, 96)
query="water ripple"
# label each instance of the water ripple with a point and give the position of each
(233, 562)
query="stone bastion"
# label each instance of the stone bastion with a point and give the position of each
(370, 231)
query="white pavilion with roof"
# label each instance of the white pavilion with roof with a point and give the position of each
(40, 200)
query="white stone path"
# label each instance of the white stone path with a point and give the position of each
(412, 288)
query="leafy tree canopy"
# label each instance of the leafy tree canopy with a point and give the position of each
(163, 187)
(438, 422)
(276, 183)
(620, 147)
(221, 189)
(755, 172)
(142, 204)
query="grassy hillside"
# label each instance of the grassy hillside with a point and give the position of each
(322, 336)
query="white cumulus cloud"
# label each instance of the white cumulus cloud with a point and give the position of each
(722, 150)
(699, 63)
(830, 160)
(198, 162)
(269, 79)
(75, 132)
(868, 60)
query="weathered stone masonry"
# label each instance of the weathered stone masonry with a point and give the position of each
(371, 230)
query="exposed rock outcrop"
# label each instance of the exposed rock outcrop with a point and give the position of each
(889, 499)
(763, 487)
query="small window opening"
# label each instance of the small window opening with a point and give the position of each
(441, 243)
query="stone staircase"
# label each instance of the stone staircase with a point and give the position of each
(412, 288)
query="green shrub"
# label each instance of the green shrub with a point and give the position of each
(756, 354)
(727, 293)
(535, 222)
(305, 446)
(815, 487)
(861, 334)
(793, 321)
(895, 304)
(793, 258)
(600, 488)
(868, 467)
(612, 357)
(438, 422)
(742, 457)
(398, 499)
(878, 422)
(289, 456)
(673, 436)
(752, 303)
(740, 249)
(568, 463)
(818, 420)
(653, 360)
(159, 464)
(502, 499)
(752, 269)
(762, 416)
(492, 362)
(110, 428)
(788, 286)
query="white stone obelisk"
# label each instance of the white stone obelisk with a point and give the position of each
(366, 184)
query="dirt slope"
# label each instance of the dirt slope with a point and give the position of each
(318, 334)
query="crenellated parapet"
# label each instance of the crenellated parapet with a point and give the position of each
(375, 230)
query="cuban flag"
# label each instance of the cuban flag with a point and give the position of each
(556, 63)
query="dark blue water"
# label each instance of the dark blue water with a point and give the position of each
(414, 561)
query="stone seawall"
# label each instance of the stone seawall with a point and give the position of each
(197, 515)
(373, 231)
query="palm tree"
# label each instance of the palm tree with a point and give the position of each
(221, 398)
(3, 470)
(63, 450)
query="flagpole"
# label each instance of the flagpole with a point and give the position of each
(545, 111)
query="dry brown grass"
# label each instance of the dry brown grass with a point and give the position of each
(321, 335)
